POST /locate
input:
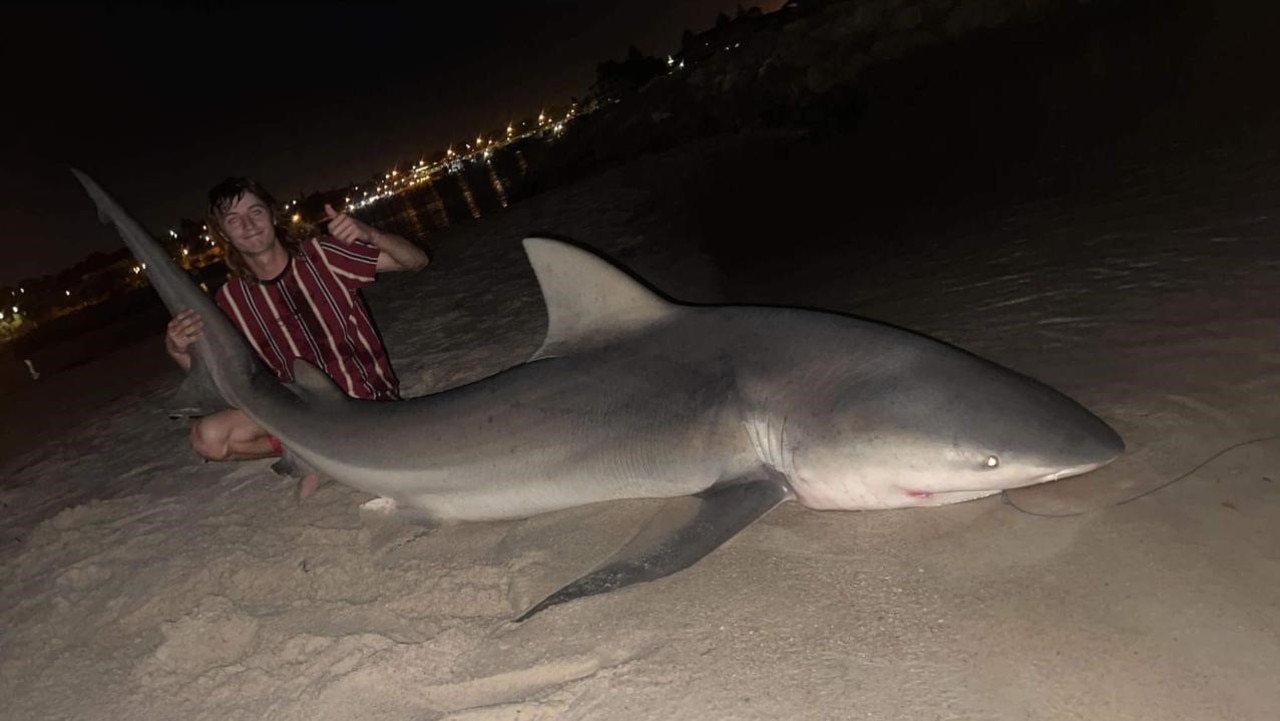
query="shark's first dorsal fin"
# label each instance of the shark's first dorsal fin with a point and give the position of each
(589, 302)
(312, 385)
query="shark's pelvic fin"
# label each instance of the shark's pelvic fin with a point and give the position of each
(590, 303)
(313, 386)
(682, 531)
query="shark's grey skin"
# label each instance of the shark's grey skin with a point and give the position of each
(726, 410)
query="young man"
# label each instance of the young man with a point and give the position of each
(293, 298)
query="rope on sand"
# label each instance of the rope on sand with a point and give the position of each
(1004, 495)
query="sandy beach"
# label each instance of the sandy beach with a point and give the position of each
(140, 583)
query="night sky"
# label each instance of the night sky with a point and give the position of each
(160, 103)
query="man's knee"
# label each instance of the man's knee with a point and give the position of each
(211, 440)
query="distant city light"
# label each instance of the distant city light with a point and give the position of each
(15, 309)
(297, 217)
(173, 234)
(454, 161)
(68, 293)
(185, 252)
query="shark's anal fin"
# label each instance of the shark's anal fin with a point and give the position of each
(681, 532)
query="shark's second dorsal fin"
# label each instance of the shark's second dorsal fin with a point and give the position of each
(589, 301)
(312, 385)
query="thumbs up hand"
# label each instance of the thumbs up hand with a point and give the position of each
(347, 229)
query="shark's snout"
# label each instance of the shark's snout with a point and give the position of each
(1094, 445)
(1102, 446)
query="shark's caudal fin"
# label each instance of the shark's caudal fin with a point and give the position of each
(171, 282)
(221, 350)
(590, 303)
(684, 530)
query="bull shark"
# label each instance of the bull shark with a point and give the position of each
(724, 411)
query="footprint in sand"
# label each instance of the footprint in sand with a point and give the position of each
(216, 634)
(515, 679)
(486, 697)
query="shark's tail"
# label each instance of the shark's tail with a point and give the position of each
(221, 351)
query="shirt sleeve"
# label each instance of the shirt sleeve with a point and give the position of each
(355, 264)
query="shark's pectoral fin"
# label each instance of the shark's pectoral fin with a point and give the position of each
(681, 532)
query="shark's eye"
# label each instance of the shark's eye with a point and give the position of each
(992, 461)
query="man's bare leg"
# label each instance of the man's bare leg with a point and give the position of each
(231, 435)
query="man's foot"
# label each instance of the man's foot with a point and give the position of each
(308, 486)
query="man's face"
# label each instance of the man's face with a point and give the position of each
(247, 224)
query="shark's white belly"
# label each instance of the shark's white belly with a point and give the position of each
(525, 475)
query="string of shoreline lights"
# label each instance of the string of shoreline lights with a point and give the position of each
(453, 161)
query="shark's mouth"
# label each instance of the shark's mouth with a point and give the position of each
(938, 498)
(1073, 471)
(943, 498)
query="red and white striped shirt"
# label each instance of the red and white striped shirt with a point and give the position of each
(312, 310)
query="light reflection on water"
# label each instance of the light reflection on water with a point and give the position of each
(498, 188)
(474, 191)
(470, 196)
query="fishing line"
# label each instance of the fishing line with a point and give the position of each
(1004, 495)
